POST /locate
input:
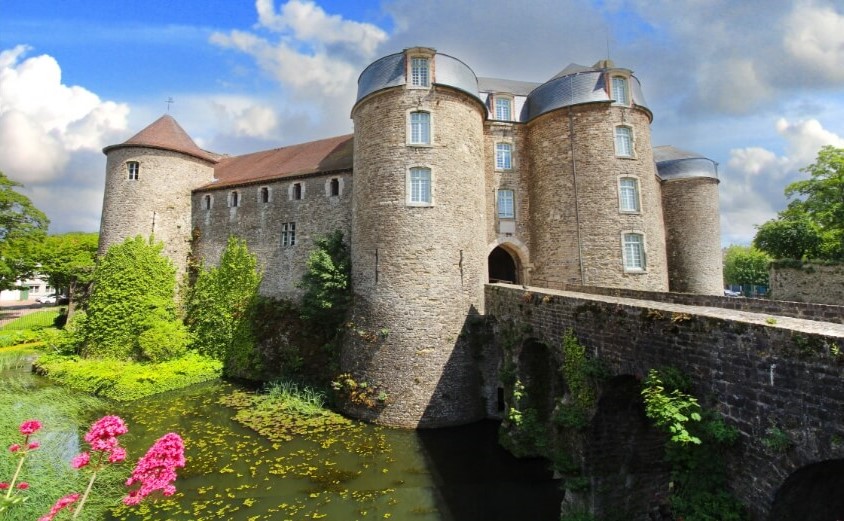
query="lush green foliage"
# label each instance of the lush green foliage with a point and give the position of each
(133, 290)
(68, 260)
(813, 223)
(672, 410)
(327, 282)
(221, 308)
(746, 265)
(60, 410)
(126, 381)
(22, 227)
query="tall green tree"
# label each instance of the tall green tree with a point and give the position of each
(68, 260)
(327, 282)
(22, 226)
(220, 309)
(131, 312)
(813, 223)
(745, 265)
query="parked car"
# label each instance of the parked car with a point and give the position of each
(52, 299)
(731, 293)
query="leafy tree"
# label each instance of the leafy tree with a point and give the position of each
(813, 223)
(220, 308)
(132, 301)
(21, 226)
(68, 260)
(327, 282)
(746, 265)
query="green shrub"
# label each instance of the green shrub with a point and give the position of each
(126, 380)
(164, 340)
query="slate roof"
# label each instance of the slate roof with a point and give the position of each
(518, 88)
(165, 134)
(323, 156)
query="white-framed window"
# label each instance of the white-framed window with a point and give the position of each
(633, 252)
(620, 90)
(207, 202)
(623, 141)
(419, 186)
(288, 234)
(420, 72)
(297, 191)
(628, 194)
(234, 199)
(333, 187)
(264, 195)
(503, 156)
(503, 108)
(420, 128)
(134, 169)
(506, 204)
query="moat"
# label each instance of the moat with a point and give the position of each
(361, 472)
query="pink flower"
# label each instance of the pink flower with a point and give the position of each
(117, 455)
(23, 485)
(30, 427)
(60, 504)
(33, 445)
(80, 460)
(104, 432)
(4, 486)
(14, 447)
(156, 470)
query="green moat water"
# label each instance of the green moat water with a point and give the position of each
(356, 472)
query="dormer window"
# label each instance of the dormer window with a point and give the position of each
(134, 169)
(503, 108)
(420, 72)
(620, 90)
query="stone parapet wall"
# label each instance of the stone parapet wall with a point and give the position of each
(755, 372)
(810, 283)
(316, 214)
(804, 310)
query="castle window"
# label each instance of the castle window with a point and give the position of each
(264, 194)
(420, 128)
(234, 199)
(503, 108)
(503, 156)
(620, 91)
(419, 72)
(134, 169)
(288, 234)
(634, 251)
(628, 194)
(506, 209)
(206, 202)
(419, 186)
(623, 141)
(296, 191)
(334, 187)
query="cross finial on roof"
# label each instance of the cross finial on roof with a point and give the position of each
(169, 101)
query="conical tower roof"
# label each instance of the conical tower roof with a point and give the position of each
(165, 134)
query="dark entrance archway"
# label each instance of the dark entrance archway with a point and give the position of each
(811, 493)
(502, 266)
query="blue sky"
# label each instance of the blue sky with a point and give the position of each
(756, 85)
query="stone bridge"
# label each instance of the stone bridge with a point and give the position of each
(768, 373)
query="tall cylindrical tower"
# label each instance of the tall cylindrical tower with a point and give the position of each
(418, 258)
(149, 179)
(596, 211)
(692, 222)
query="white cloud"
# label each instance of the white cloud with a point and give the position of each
(814, 37)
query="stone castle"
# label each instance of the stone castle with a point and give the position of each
(448, 182)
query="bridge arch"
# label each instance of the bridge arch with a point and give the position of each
(507, 261)
(811, 493)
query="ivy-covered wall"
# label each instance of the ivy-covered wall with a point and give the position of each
(777, 380)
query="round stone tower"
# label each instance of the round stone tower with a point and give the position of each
(596, 211)
(692, 222)
(148, 186)
(418, 259)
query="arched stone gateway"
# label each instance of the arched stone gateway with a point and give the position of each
(502, 266)
(811, 493)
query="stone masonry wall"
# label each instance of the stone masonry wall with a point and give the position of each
(554, 223)
(417, 271)
(758, 373)
(157, 203)
(260, 224)
(693, 236)
(809, 283)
